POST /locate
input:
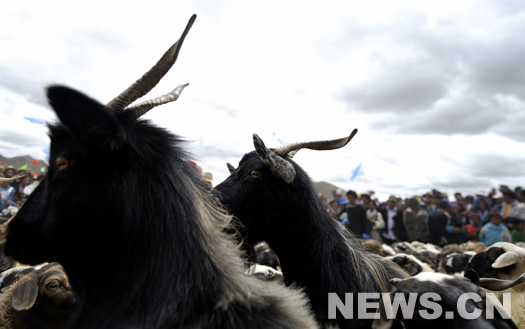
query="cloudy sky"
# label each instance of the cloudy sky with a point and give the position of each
(436, 88)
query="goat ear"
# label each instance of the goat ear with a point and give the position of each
(231, 168)
(90, 121)
(25, 295)
(280, 167)
(507, 259)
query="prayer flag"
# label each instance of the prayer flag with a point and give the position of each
(358, 171)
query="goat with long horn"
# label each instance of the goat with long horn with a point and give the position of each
(273, 200)
(284, 169)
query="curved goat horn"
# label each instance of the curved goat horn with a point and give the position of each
(4, 181)
(150, 79)
(500, 285)
(291, 149)
(143, 108)
(281, 167)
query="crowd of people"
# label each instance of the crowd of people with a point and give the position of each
(434, 217)
(15, 193)
(498, 215)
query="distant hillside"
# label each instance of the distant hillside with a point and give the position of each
(325, 188)
(18, 162)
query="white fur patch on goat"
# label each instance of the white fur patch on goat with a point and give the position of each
(432, 276)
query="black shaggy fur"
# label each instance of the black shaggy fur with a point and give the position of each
(123, 212)
(315, 251)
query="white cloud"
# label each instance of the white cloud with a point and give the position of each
(434, 88)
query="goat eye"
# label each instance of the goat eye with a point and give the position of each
(61, 163)
(53, 285)
(255, 173)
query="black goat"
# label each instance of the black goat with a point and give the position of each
(275, 202)
(140, 239)
(445, 312)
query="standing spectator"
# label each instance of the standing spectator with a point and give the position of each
(399, 226)
(496, 200)
(518, 233)
(333, 208)
(521, 195)
(455, 229)
(337, 193)
(461, 205)
(433, 201)
(415, 219)
(365, 199)
(356, 222)
(437, 223)
(394, 230)
(9, 171)
(458, 196)
(20, 197)
(8, 192)
(481, 207)
(473, 227)
(469, 200)
(376, 220)
(511, 209)
(494, 231)
(31, 187)
(443, 226)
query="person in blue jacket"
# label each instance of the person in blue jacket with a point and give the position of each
(494, 231)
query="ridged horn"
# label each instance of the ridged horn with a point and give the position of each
(281, 167)
(143, 108)
(5, 181)
(498, 284)
(291, 149)
(151, 78)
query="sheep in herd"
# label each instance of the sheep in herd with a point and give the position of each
(438, 301)
(264, 255)
(454, 263)
(501, 260)
(373, 246)
(140, 238)
(410, 263)
(38, 298)
(275, 201)
(515, 288)
(425, 252)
